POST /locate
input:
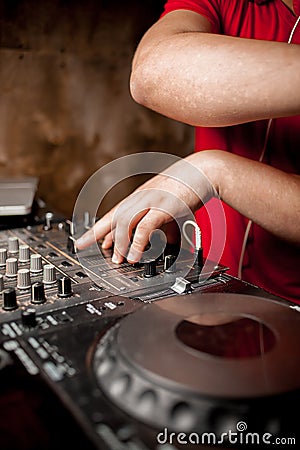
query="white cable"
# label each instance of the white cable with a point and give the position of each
(198, 237)
(293, 30)
(248, 228)
(247, 231)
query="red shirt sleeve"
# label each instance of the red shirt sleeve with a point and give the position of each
(209, 9)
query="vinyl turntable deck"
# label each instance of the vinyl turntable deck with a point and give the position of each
(153, 371)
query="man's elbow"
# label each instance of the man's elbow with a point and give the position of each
(140, 86)
(135, 88)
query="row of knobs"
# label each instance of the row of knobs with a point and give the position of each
(23, 275)
(19, 255)
(150, 266)
(13, 248)
(37, 290)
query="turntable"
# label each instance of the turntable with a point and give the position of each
(204, 363)
(156, 369)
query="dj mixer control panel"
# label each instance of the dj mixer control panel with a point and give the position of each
(99, 341)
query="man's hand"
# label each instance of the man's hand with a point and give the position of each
(177, 192)
(264, 194)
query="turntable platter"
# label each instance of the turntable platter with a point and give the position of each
(180, 359)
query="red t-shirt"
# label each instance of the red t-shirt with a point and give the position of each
(269, 262)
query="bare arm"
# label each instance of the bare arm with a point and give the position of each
(183, 71)
(262, 193)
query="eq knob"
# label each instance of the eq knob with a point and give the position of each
(36, 265)
(49, 274)
(149, 268)
(13, 244)
(169, 263)
(23, 280)
(9, 299)
(28, 317)
(24, 253)
(3, 257)
(64, 287)
(37, 293)
(11, 267)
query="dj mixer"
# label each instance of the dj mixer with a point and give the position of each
(138, 357)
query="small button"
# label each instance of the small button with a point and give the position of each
(66, 264)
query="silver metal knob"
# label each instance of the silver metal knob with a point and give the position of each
(11, 267)
(13, 244)
(36, 265)
(23, 281)
(49, 274)
(3, 257)
(24, 253)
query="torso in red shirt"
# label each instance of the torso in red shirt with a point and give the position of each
(269, 262)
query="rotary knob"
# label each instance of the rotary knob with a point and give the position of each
(64, 287)
(11, 267)
(37, 293)
(28, 317)
(3, 257)
(36, 265)
(23, 280)
(49, 274)
(24, 253)
(13, 245)
(150, 268)
(9, 299)
(169, 263)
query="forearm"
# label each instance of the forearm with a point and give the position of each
(268, 196)
(211, 80)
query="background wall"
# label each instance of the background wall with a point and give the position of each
(65, 106)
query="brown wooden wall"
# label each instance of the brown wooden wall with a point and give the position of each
(65, 104)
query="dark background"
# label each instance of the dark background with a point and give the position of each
(65, 106)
